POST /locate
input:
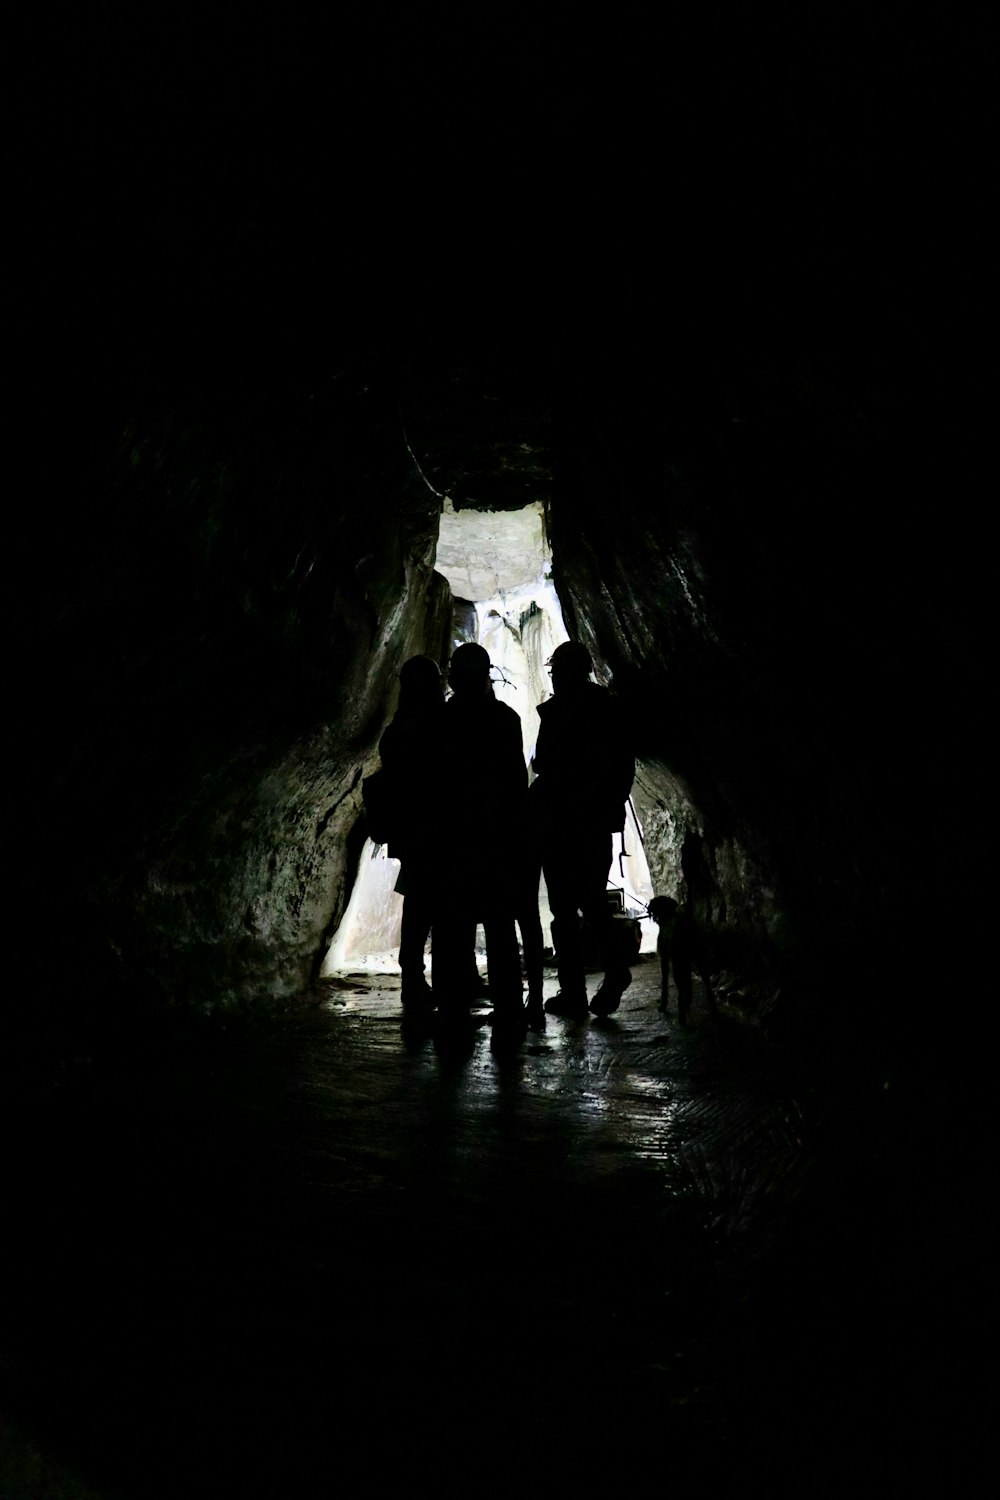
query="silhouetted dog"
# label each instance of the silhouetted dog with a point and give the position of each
(678, 945)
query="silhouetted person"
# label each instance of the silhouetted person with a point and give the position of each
(529, 923)
(412, 754)
(483, 808)
(585, 766)
(679, 946)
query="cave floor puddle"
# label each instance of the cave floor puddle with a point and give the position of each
(320, 1254)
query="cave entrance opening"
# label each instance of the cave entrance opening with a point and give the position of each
(499, 568)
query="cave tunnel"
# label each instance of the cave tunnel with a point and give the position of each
(498, 567)
(280, 337)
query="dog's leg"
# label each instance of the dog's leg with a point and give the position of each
(682, 979)
(663, 953)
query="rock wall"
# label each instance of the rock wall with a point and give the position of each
(221, 632)
(210, 629)
(732, 545)
(217, 619)
(272, 299)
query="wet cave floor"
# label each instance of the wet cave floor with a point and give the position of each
(323, 1255)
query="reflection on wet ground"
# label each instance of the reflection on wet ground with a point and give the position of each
(329, 1253)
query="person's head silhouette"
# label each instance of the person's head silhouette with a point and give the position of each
(469, 671)
(420, 684)
(570, 667)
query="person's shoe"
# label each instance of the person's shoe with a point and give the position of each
(510, 1027)
(535, 1012)
(475, 988)
(609, 996)
(453, 1014)
(569, 1003)
(416, 996)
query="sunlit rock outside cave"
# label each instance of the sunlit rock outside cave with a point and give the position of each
(499, 570)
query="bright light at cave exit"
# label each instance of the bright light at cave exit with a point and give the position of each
(499, 560)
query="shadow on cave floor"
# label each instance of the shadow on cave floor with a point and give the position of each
(312, 1254)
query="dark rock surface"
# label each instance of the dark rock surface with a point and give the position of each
(291, 320)
(709, 291)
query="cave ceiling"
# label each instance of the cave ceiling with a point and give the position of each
(482, 439)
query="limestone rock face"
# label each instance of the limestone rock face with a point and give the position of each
(222, 612)
(228, 630)
(227, 607)
(282, 304)
(733, 551)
